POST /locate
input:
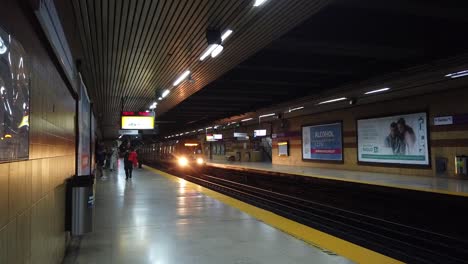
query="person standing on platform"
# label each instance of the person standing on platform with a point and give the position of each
(100, 158)
(113, 158)
(130, 161)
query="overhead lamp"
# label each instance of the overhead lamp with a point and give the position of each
(160, 98)
(458, 74)
(217, 51)
(295, 109)
(120, 136)
(377, 91)
(259, 2)
(208, 51)
(208, 128)
(247, 119)
(201, 129)
(333, 100)
(267, 115)
(3, 47)
(181, 78)
(165, 93)
(153, 106)
(226, 34)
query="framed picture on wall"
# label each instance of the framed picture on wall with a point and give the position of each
(14, 99)
(323, 142)
(397, 139)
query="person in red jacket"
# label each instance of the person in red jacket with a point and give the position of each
(130, 161)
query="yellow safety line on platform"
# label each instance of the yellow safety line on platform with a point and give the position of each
(312, 236)
(346, 180)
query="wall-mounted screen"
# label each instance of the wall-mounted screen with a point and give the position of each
(398, 139)
(322, 142)
(210, 138)
(260, 133)
(138, 122)
(218, 136)
(14, 99)
(240, 135)
(283, 148)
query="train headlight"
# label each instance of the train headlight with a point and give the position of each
(183, 161)
(200, 161)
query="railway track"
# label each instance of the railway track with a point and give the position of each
(377, 224)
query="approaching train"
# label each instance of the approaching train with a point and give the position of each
(184, 153)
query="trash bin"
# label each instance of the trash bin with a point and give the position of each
(81, 204)
(461, 163)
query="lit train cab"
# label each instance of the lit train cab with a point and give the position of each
(188, 154)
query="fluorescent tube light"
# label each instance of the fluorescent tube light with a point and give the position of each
(295, 109)
(165, 93)
(378, 90)
(226, 34)
(217, 51)
(201, 129)
(208, 51)
(160, 98)
(333, 100)
(458, 74)
(181, 78)
(247, 119)
(267, 115)
(259, 2)
(209, 128)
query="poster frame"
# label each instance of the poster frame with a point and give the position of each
(342, 143)
(397, 165)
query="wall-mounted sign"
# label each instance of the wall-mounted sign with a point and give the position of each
(260, 133)
(399, 139)
(128, 132)
(240, 135)
(451, 120)
(322, 142)
(218, 136)
(283, 148)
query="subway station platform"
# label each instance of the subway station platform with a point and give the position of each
(158, 218)
(429, 184)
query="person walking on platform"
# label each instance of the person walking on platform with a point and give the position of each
(113, 158)
(130, 161)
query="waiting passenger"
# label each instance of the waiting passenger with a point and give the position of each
(130, 161)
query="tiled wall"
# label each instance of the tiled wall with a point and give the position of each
(446, 141)
(32, 192)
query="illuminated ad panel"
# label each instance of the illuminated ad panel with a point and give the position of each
(138, 122)
(397, 139)
(14, 99)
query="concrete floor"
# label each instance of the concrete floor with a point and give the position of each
(151, 219)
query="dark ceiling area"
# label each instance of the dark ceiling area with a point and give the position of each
(345, 42)
(137, 49)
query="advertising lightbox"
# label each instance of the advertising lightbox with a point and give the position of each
(218, 136)
(322, 142)
(398, 139)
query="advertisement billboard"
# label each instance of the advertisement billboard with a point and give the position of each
(398, 139)
(84, 142)
(14, 99)
(322, 142)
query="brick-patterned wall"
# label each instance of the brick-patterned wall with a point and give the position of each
(32, 192)
(445, 141)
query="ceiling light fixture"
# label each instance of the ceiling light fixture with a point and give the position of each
(153, 106)
(458, 74)
(259, 2)
(208, 128)
(226, 34)
(247, 119)
(160, 98)
(295, 109)
(208, 51)
(165, 93)
(267, 115)
(333, 100)
(181, 78)
(217, 51)
(377, 91)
